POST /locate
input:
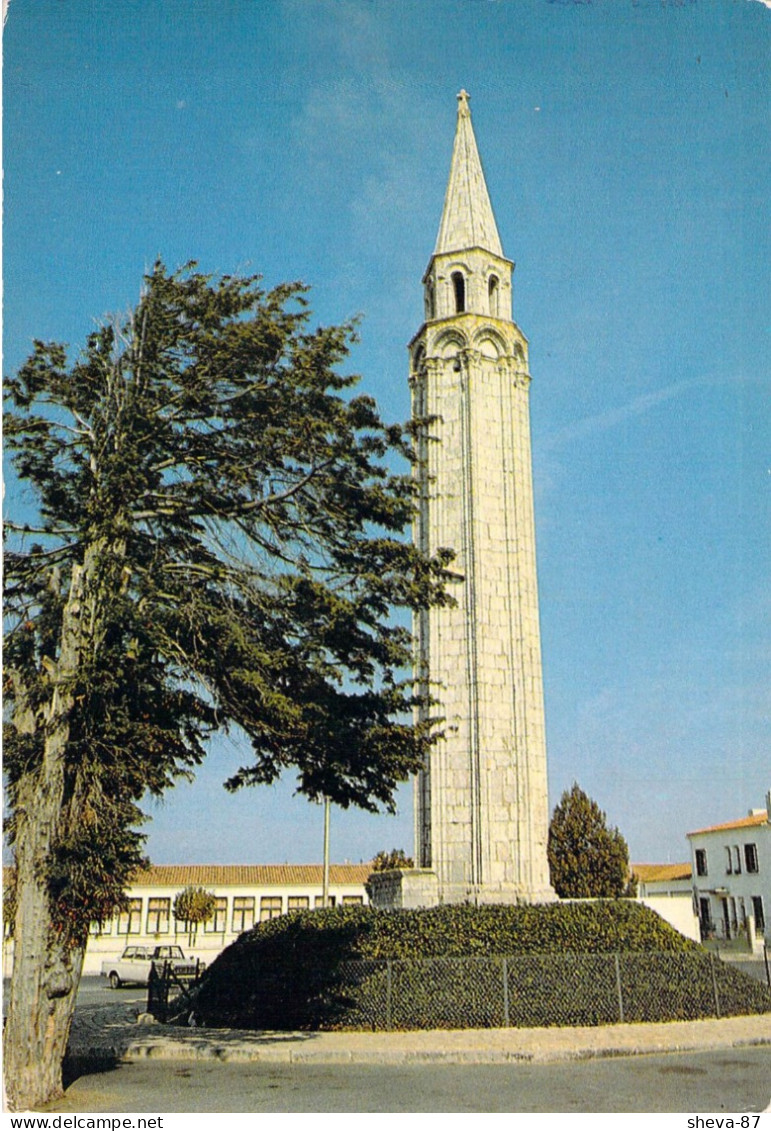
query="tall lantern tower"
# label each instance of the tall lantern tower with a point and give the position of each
(481, 800)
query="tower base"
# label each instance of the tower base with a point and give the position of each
(403, 889)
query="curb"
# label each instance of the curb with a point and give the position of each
(114, 1039)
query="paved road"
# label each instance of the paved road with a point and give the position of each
(94, 990)
(755, 968)
(735, 1081)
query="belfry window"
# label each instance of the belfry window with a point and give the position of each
(459, 287)
(492, 295)
(429, 300)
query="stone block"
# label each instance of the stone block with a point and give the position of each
(399, 889)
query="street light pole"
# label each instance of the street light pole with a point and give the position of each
(325, 886)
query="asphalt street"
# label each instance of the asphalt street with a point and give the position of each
(731, 1080)
(94, 990)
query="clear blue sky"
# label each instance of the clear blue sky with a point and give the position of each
(626, 147)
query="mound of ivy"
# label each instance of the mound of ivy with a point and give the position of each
(468, 967)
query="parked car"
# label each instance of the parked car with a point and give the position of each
(135, 962)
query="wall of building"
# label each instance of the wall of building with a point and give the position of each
(150, 918)
(677, 910)
(732, 879)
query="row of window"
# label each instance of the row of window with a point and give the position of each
(733, 856)
(159, 917)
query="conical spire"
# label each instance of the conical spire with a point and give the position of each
(467, 218)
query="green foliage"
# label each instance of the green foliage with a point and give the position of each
(396, 858)
(587, 860)
(219, 541)
(194, 905)
(325, 968)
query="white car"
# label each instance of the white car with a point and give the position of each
(135, 962)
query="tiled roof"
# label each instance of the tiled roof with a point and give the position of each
(649, 873)
(755, 819)
(250, 875)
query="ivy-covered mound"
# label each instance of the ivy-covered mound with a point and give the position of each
(565, 964)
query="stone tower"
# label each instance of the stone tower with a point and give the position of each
(481, 801)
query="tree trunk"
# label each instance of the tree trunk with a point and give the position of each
(47, 959)
(48, 955)
(44, 986)
(47, 962)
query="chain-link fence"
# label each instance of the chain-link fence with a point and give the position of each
(537, 990)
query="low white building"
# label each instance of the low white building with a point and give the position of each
(732, 877)
(671, 880)
(667, 890)
(245, 894)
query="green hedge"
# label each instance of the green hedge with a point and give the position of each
(326, 969)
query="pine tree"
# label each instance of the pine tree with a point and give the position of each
(586, 858)
(218, 542)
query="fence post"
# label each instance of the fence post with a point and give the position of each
(152, 992)
(714, 985)
(505, 973)
(388, 993)
(619, 992)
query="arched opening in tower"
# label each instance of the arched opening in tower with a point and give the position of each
(459, 287)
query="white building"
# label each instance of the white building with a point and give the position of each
(245, 893)
(732, 877)
(668, 890)
(656, 880)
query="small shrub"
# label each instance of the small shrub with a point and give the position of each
(396, 858)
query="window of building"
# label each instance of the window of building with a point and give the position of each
(737, 859)
(319, 901)
(728, 862)
(758, 913)
(356, 899)
(705, 915)
(492, 295)
(270, 907)
(158, 916)
(701, 862)
(459, 289)
(218, 921)
(751, 857)
(298, 903)
(98, 929)
(243, 912)
(130, 920)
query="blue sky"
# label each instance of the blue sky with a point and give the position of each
(626, 148)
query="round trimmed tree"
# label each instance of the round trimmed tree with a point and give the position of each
(193, 906)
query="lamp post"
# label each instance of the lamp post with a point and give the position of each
(325, 882)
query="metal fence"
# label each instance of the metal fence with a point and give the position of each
(537, 990)
(167, 993)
